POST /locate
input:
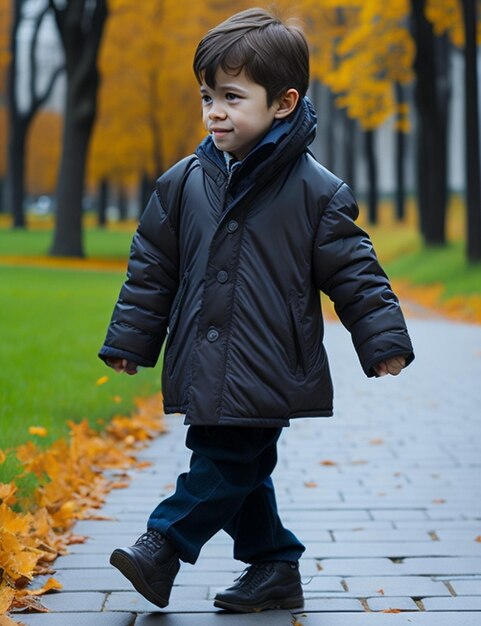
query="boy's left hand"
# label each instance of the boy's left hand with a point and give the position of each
(391, 366)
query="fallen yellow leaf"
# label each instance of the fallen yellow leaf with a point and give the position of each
(40, 431)
(102, 380)
(7, 493)
(50, 585)
(3, 457)
(7, 594)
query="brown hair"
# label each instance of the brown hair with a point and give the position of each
(273, 54)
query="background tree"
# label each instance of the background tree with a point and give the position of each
(431, 108)
(80, 24)
(473, 165)
(366, 76)
(458, 20)
(22, 114)
(5, 19)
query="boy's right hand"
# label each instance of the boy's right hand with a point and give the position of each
(122, 365)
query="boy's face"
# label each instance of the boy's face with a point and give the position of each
(236, 112)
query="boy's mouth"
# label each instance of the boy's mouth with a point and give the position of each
(219, 132)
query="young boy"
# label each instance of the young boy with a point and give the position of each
(230, 256)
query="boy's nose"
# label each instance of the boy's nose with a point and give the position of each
(216, 113)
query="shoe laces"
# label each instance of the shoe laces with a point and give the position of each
(254, 575)
(152, 540)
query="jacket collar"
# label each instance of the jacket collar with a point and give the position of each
(285, 140)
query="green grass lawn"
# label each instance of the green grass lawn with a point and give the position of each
(403, 255)
(111, 243)
(52, 323)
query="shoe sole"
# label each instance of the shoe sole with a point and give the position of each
(129, 569)
(289, 603)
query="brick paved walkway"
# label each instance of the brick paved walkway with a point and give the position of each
(386, 496)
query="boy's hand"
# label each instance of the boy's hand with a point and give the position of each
(122, 365)
(390, 366)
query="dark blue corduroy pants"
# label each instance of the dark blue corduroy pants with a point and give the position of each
(228, 486)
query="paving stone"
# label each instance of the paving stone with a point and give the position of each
(327, 604)
(81, 561)
(76, 619)
(460, 603)
(398, 514)
(182, 601)
(402, 602)
(357, 567)
(109, 527)
(380, 535)
(393, 549)
(414, 586)
(326, 584)
(219, 618)
(441, 566)
(92, 580)
(67, 602)
(382, 619)
(435, 525)
(210, 578)
(466, 587)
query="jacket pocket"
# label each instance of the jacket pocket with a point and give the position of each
(299, 363)
(174, 323)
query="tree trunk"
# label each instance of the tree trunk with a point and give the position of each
(431, 137)
(103, 199)
(16, 132)
(19, 121)
(16, 169)
(372, 177)
(400, 159)
(146, 188)
(331, 133)
(122, 203)
(473, 166)
(81, 45)
(350, 151)
(68, 240)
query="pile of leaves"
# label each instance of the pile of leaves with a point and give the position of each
(72, 485)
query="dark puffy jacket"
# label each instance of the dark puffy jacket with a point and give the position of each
(231, 265)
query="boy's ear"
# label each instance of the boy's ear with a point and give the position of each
(286, 103)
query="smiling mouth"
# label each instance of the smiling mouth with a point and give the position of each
(219, 131)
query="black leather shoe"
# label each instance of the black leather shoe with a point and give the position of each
(264, 585)
(151, 565)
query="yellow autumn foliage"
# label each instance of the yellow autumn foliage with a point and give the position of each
(373, 54)
(446, 17)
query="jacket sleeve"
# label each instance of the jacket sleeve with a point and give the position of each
(347, 270)
(139, 321)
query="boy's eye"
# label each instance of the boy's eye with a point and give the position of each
(206, 99)
(231, 96)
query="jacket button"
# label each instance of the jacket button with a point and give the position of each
(222, 276)
(212, 335)
(232, 226)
